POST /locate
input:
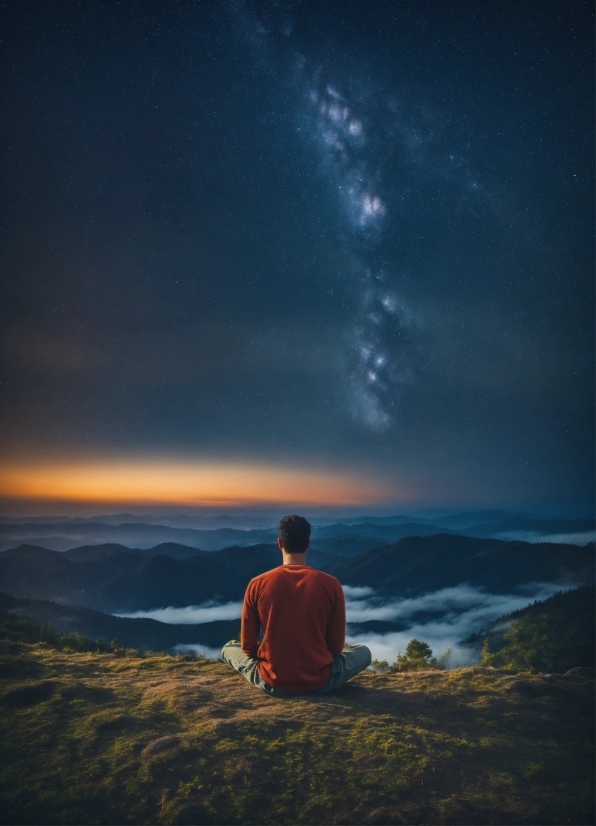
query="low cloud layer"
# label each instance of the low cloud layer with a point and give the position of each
(197, 650)
(442, 618)
(455, 614)
(191, 614)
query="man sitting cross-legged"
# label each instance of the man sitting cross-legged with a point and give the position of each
(303, 616)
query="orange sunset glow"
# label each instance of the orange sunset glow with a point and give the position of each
(175, 482)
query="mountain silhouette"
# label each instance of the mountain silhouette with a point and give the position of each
(417, 565)
(349, 536)
(120, 580)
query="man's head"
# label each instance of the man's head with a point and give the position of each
(294, 534)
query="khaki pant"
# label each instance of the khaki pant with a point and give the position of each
(352, 660)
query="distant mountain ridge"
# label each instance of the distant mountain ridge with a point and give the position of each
(530, 525)
(344, 537)
(119, 580)
(64, 536)
(130, 581)
(416, 565)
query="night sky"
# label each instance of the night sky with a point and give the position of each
(348, 237)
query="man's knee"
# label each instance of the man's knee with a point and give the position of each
(360, 656)
(230, 649)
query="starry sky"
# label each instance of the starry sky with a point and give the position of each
(351, 238)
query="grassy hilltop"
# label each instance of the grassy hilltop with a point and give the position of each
(115, 737)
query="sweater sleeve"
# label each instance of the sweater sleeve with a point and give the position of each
(336, 627)
(249, 633)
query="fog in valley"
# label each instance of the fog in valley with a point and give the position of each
(443, 618)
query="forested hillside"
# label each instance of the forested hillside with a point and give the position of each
(417, 565)
(550, 636)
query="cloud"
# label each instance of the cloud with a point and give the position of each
(197, 650)
(190, 614)
(441, 618)
(455, 614)
(357, 591)
(454, 601)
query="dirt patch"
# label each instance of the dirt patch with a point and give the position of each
(115, 722)
(160, 745)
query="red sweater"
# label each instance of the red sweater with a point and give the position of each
(303, 616)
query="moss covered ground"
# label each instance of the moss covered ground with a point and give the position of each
(119, 738)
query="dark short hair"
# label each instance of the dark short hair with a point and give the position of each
(294, 532)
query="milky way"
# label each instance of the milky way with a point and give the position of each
(382, 336)
(382, 346)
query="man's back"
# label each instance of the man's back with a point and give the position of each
(302, 613)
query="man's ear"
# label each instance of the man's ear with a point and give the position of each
(280, 544)
(308, 546)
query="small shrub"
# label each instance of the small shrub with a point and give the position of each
(379, 666)
(418, 657)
